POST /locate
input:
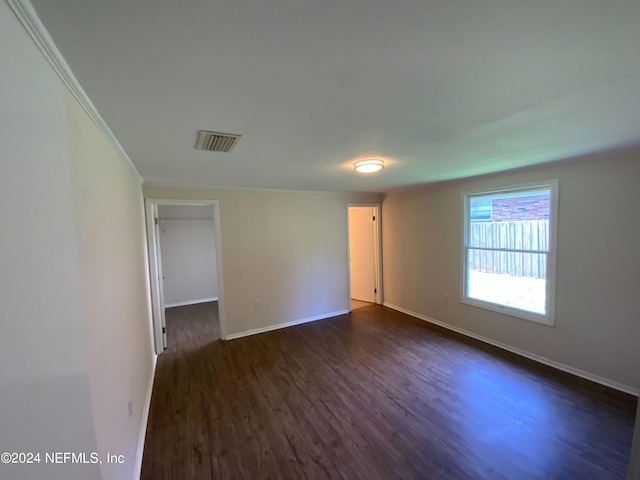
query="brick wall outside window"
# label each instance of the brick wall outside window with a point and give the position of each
(522, 208)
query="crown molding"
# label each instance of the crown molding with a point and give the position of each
(37, 31)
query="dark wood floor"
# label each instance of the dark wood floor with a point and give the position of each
(355, 304)
(374, 394)
(191, 326)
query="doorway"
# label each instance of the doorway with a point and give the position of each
(364, 255)
(185, 261)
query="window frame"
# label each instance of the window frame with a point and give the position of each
(550, 287)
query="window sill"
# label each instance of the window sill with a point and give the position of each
(547, 320)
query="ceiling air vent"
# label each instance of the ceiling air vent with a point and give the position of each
(216, 141)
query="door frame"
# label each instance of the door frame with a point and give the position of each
(377, 250)
(157, 288)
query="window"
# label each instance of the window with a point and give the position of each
(509, 250)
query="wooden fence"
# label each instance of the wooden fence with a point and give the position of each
(522, 235)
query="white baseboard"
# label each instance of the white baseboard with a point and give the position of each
(145, 418)
(546, 361)
(191, 302)
(278, 326)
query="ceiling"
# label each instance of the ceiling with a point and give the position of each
(438, 89)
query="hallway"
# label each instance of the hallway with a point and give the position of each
(191, 326)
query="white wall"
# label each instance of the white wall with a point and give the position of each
(598, 305)
(109, 216)
(45, 400)
(286, 249)
(76, 339)
(188, 252)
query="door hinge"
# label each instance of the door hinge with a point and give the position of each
(374, 218)
(156, 221)
(164, 330)
(375, 290)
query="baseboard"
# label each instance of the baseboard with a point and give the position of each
(523, 353)
(145, 418)
(191, 302)
(278, 326)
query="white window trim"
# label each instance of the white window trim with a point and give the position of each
(549, 318)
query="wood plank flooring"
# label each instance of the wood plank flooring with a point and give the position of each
(191, 326)
(374, 394)
(359, 304)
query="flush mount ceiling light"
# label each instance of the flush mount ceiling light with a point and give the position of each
(368, 166)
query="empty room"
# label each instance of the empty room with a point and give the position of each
(320, 240)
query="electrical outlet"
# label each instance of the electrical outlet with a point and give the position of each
(445, 297)
(130, 405)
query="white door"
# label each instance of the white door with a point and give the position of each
(158, 269)
(362, 253)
